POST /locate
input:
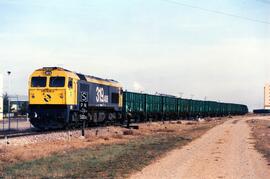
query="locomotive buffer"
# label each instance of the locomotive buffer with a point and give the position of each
(83, 109)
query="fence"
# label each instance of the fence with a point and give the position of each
(14, 115)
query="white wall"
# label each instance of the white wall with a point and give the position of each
(1, 96)
(267, 96)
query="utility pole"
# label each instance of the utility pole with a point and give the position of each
(2, 101)
(9, 73)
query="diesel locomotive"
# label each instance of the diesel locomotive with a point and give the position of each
(55, 95)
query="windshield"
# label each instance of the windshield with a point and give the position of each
(57, 81)
(38, 82)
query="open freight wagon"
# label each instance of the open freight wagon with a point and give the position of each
(144, 107)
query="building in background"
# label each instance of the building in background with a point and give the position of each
(266, 109)
(18, 105)
(1, 97)
(267, 96)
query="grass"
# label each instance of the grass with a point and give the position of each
(261, 133)
(104, 161)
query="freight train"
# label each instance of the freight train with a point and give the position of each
(55, 96)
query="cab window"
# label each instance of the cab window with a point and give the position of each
(70, 83)
(38, 82)
(57, 81)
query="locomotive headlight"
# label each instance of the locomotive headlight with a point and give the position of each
(61, 95)
(48, 73)
(32, 95)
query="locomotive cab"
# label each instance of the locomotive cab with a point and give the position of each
(52, 93)
(54, 87)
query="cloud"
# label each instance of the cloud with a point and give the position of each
(137, 87)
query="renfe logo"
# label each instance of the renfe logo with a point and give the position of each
(101, 97)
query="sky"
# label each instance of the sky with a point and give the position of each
(214, 49)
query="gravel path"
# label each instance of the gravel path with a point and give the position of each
(223, 152)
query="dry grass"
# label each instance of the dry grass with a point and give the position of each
(261, 134)
(114, 156)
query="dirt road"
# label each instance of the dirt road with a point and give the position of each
(226, 151)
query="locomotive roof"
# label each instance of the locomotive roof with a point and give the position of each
(84, 77)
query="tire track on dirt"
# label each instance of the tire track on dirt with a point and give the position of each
(226, 151)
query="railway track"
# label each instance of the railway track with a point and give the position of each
(27, 132)
(36, 132)
(21, 133)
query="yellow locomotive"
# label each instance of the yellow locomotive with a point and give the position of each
(55, 94)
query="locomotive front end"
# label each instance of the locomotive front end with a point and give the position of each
(52, 93)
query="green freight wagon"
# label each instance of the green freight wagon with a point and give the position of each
(223, 109)
(206, 107)
(183, 108)
(170, 108)
(218, 112)
(196, 108)
(134, 105)
(211, 109)
(141, 107)
(154, 106)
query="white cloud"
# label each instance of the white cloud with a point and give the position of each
(137, 87)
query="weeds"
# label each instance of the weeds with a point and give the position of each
(104, 161)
